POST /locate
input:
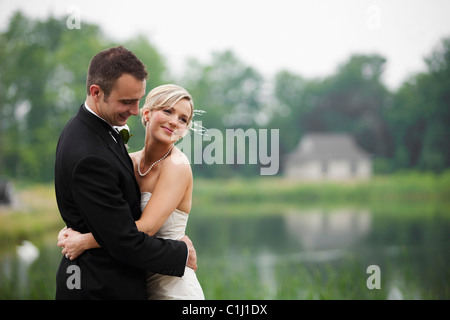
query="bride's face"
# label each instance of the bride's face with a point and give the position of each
(169, 123)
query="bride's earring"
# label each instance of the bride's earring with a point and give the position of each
(147, 116)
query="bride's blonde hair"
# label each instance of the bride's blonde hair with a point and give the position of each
(165, 96)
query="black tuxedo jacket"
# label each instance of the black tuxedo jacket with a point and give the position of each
(97, 192)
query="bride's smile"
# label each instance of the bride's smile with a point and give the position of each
(171, 121)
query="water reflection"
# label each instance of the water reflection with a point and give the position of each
(265, 264)
(320, 229)
(15, 268)
(27, 253)
(321, 236)
(289, 254)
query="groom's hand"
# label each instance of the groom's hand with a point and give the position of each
(192, 258)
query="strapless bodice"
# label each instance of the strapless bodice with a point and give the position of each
(174, 227)
(163, 287)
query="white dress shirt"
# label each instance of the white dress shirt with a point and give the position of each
(91, 111)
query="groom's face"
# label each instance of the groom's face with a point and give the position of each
(123, 101)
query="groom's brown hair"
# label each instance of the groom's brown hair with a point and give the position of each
(108, 65)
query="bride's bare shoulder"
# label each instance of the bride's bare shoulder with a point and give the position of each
(178, 157)
(177, 163)
(176, 169)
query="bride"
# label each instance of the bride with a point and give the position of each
(165, 179)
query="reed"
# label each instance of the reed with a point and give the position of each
(400, 187)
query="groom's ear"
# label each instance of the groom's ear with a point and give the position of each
(95, 91)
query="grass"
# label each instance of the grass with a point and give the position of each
(416, 187)
(36, 211)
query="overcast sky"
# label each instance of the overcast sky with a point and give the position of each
(309, 38)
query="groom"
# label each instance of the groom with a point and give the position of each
(97, 192)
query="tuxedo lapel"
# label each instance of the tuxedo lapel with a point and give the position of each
(123, 149)
(107, 134)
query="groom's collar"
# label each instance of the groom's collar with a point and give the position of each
(104, 130)
(91, 111)
(86, 107)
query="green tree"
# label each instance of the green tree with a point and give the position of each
(353, 100)
(295, 97)
(420, 116)
(231, 94)
(42, 85)
(27, 65)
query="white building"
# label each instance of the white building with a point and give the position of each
(328, 157)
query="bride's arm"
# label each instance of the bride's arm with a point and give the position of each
(174, 179)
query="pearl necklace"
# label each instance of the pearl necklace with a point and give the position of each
(140, 158)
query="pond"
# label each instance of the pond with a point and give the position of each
(287, 253)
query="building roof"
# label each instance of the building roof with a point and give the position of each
(326, 146)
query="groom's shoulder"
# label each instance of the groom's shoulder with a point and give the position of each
(74, 123)
(78, 139)
(74, 131)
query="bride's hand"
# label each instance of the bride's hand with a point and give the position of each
(61, 235)
(72, 242)
(192, 258)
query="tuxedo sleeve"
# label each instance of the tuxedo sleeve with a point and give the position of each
(99, 198)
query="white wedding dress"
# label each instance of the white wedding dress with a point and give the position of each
(162, 287)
